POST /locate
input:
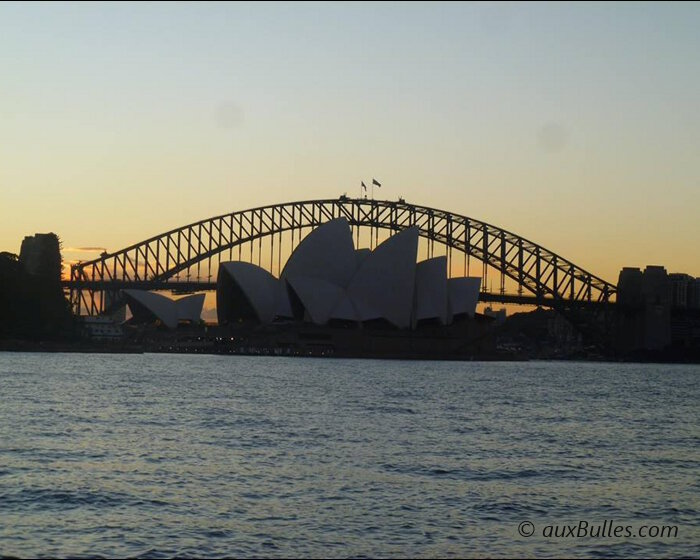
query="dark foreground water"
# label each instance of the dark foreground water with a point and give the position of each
(163, 455)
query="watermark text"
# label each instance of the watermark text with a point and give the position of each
(608, 529)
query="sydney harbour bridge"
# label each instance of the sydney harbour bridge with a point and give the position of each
(186, 259)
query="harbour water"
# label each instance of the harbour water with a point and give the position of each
(160, 455)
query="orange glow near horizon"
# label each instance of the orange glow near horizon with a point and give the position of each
(179, 112)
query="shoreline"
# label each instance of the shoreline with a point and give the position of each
(82, 347)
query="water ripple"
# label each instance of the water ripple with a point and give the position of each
(153, 456)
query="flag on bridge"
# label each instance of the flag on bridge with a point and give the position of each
(363, 185)
(375, 182)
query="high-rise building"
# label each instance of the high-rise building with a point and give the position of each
(681, 288)
(40, 255)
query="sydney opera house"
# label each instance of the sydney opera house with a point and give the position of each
(327, 281)
(336, 298)
(146, 307)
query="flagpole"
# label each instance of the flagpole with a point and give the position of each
(371, 229)
(376, 229)
(375, 182)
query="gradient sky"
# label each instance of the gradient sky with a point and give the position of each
(574, 125)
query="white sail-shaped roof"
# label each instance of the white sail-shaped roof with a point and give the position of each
(282, 306)
(431, 290)
(383, 285)
(463, 294)
(260, 288)
(328, 279)
(318, 296)
(327, 253)
(361, 255)
(189, 308)
(344, 309)
(161, 307)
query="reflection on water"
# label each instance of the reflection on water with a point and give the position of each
(162, 455)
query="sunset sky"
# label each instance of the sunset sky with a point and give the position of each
(574, 125)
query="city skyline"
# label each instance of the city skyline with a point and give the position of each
(571, 125)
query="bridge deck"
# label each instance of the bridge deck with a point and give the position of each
(180, 287)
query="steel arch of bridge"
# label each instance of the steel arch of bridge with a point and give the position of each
(549, 278)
